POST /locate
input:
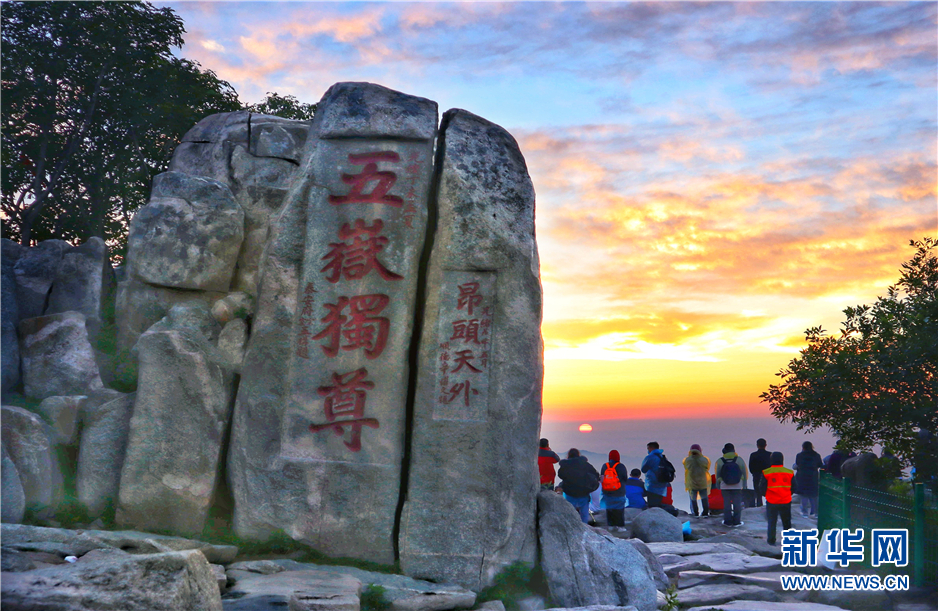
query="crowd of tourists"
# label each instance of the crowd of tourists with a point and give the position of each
(726, 489)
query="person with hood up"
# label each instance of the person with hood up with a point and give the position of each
(732, 478)
(578, 478)
(613, 477)
(656, 490)
(697, 479)
(776, 485)
(546, 459)
(635, 490)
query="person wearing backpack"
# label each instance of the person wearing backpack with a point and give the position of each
(697, 479)
(732, 478)
(578, 478)
(613, 476)
(659, 472)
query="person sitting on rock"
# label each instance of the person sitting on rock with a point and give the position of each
(732, 477)
(613, 476)
(635, 490)
(697, 479)
(656, 489)
(776, 486)
(578, 479)
(715, 498)
(546, 459)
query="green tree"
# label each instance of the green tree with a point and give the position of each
(878, 381)
(93, 105)
(287, 107)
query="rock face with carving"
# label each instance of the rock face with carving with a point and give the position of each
(334, 331)
(479, 370)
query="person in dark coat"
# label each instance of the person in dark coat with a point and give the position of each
(807, 464)
(578, 478)
(837, 458)
(759, 460)
(546, 459)
(614, 498)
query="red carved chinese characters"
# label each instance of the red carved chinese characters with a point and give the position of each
(357, 254)
(362, 328)
(460, 388)
(345, 406)
(302, 341)
(383, 181)
(469, 296)
(412, 169)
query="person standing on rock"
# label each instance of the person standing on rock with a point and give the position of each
(654, 486)
(635, 490)
(613, 476)
(807, 463)
(546, 459)
(578, 478)
(776, 485)
(759, 460)
(732, 478)
(697, 479)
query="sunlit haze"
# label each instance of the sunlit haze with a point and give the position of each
(712, 179)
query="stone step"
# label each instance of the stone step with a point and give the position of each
(721, 593)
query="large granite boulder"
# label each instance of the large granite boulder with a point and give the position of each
(27, 442)
(104, 432)
(656, 525)
(188, 236)
(113, 579)
(13, 498)
(62, 414)
(320, 419)
(861, 470)
(480, 367)
(584, 567)
(57, 357)
(36, 270)
(180, 416)
(9, 315)
(84, 282)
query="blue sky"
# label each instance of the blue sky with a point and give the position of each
(712, 178)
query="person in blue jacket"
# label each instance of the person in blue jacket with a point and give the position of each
(656, 490)
(635, 490)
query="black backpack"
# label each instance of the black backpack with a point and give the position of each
(665, 471)
(730, 472)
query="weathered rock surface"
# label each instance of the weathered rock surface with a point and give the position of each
(720, 593)
(753, 544)
(655, 525)
(9, 315)
(112, 579)
(770, 581)
(860, 469)
(865, 600)
(234, 305)
(188, 236)
(62, 413)
(693, 548)
(754, 605)
(232, 342)
(28, 445)
(594, 608)
(101, 452)
(480, 366)
(735, 563)
(180, 416)
(63, 542)
(254, 589)
(404, 593)
(585, 568)
(657, 570)
(13, 500)
(35, 270)
(334, 485)
(84, 282)
(57, 358)
(673, 565)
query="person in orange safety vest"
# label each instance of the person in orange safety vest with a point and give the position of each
(777, 489)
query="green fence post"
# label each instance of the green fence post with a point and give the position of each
(918, 537)
(845, 504)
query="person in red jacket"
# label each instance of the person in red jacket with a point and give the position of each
(776, 483)
(546, 459)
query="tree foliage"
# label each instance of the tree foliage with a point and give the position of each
(878, 381)
(93, 105)
(287, 107)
